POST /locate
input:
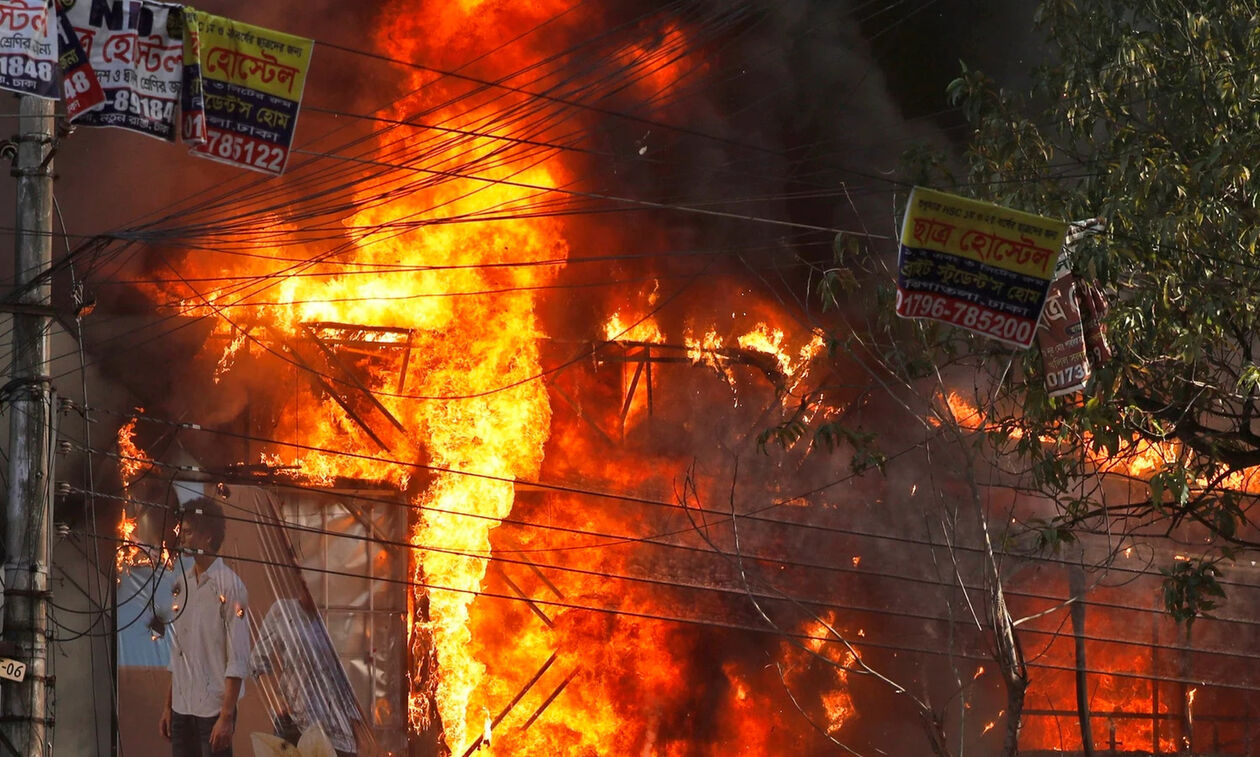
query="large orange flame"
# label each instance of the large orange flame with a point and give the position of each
(442, 345)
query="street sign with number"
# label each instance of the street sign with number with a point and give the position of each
(12, 669)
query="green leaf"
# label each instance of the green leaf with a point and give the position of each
(1188, 586)
(1249, 379)
(785, 435)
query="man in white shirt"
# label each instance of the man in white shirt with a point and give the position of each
(209, 641)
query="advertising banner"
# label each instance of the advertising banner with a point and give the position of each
(137, 55)
(192, 102)
(28, 53)
(976, 265)
(80, 88)
(1061, 337)
(252, 80)
(1093, 310)
(1071, 334)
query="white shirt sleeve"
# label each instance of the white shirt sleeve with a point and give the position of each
(236, 629)
(167, 611)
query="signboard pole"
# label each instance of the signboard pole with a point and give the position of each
(24, 722)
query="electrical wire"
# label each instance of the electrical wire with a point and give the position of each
(257, 519)
(924, 4)
(557, 488)
(705, 622)
(749, 517)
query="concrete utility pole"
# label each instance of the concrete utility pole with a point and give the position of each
(25, 725)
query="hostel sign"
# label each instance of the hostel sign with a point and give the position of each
(251, 81)
(976, 265)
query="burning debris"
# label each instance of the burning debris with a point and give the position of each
(133, 464)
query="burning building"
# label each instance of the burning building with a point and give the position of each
(523, 391)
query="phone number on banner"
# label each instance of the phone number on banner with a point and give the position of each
(22, 67)
(1008, 328)
(244, 150)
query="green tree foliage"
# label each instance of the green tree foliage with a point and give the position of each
(1148, 115)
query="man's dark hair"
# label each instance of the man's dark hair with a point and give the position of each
(206, 516)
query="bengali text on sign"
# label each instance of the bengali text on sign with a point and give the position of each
(976, 265)
(251, 90)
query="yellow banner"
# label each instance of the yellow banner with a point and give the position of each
(260, 59)
(986, 233)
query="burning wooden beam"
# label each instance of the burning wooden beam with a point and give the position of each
(332, 368)
(658, 352)
(352, 376)
(518, 591)
(519, 695)
(318, 377)
(630, 391)
(551, 698)
(542, 577)
(577, 410)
